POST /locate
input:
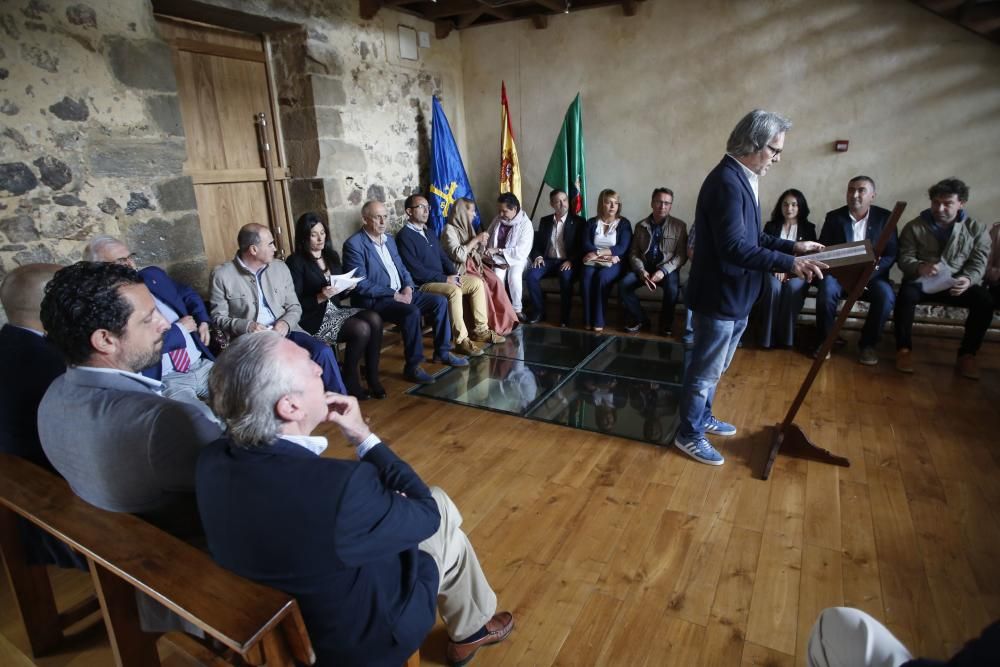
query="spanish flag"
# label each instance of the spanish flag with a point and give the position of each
(510, 168)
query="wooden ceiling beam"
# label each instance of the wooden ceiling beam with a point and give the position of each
(443, 28)
(444, 8)
(555, 5)
(540, 21)
(630, 7)
(497, 12)
(369, 8)
(468, 19)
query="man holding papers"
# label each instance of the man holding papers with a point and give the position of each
(943, 254)
(857, 221)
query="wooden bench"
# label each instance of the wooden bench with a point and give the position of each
(241, 620)
(929, 318)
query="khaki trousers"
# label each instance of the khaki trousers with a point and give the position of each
(465, 599)
(473, 288)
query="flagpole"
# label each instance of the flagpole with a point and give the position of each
(535, 207)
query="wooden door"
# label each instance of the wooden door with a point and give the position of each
(223, 82)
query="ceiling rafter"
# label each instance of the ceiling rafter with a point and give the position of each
(449, 15)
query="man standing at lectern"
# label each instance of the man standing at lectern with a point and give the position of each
(730, 260)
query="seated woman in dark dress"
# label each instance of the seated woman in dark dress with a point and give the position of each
(311, 266)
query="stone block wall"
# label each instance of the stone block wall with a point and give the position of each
(91, 137)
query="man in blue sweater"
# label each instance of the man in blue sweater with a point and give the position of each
(434, 272)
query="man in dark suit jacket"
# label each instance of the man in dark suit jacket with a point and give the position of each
(365, 547)
(857, 221)
(388, 289)
(731, 258)
(186, 359)
(556, 251)
(28, 365)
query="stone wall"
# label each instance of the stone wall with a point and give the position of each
(90, 136)
(92, 141)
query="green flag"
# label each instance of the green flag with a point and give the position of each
(567, 168)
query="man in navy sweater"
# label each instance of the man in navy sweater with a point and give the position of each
(367, 549)
(434, 272)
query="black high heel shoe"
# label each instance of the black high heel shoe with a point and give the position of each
(377, 390)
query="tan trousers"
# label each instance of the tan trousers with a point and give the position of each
(465, 599)
(473, 288)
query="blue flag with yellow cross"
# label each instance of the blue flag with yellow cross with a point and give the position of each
(448, 178)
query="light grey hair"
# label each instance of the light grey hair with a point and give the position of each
(94, 251)
(246, 382)
(754, 131)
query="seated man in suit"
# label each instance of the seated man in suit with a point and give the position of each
(857, 221)
(186, 360)
(388, 290)
(28, 365)
(254, 292)
(365, 547)
(105, 427)
(657, 253)
(433, 271)
(555, 251)
(944, 239)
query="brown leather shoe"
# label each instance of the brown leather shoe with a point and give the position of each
(469, 348)
(967, 366)
(904, 360)
(497, 629)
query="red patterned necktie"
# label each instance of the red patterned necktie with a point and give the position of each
(180, 359)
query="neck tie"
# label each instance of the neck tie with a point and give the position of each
(180, 359)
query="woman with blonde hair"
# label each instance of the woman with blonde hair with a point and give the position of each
(465, 247)
(605, 244)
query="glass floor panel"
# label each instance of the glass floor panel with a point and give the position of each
(495, 383)
(627, 408)
(640, 358)
(565, 348)
(622, 386)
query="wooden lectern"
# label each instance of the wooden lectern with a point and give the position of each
(788, 436)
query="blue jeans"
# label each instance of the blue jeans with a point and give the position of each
(878, 294)
(321, 353)
(670, 285)
(714, 346)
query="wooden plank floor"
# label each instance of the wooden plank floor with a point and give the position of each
(612, 552)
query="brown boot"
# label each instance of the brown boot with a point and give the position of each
(904, 360)
(967, 366)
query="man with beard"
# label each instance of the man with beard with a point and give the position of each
(105, 427)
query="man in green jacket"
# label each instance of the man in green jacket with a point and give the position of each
(943, 254)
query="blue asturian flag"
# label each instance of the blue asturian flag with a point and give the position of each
(448, 178)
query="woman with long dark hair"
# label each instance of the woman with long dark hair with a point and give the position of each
(783, 294)
(311, 266)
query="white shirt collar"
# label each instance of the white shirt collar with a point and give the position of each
(751, 175)
(34, 331)
(155, 385)
(314, 443)
(244, 265)
(377, 240)
(417, 228)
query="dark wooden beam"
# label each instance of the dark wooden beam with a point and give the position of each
(443, 28)
(497, 12)
(554, 5)
(369, 8)
(541, 21)
(444, 8)
(468, 19)
(629, 7)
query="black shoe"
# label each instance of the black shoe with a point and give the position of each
(377, 390)
(534, 319)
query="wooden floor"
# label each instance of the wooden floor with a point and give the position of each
(612, 552)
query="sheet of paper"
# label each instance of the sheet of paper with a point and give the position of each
(939, 282)
(345, 281)
(839, 253)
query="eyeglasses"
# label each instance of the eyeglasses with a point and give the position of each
(128, 259)
(775, 152)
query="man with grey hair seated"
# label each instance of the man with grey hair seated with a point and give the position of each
(367, 549)
(731, 258)
(186, 359)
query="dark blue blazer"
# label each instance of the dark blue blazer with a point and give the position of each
(838, 228)
(424, 257)
(732, 253)
(182, 299)
(622, 241)
(334, 534)
(572, 236)
(359, 253)
(28, 365)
